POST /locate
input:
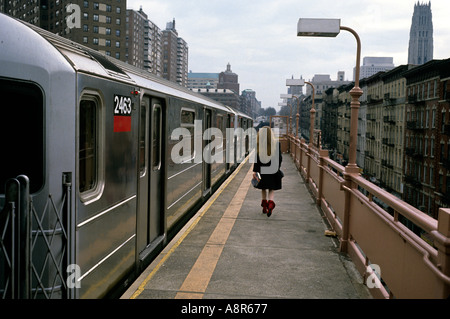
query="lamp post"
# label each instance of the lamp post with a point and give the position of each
(312, 114)
(331, 28)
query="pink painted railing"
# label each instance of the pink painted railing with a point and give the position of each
(378, 243)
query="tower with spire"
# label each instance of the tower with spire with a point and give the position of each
(228, 80)
(420, 48)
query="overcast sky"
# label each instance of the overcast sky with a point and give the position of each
(258, 37)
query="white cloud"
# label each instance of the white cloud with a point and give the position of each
(258, 37)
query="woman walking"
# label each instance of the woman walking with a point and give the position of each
(268, 163)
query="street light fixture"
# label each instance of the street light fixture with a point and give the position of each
(331, 28)
(318, 27)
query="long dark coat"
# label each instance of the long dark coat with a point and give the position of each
(269, 181)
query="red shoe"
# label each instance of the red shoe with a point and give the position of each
(264, 206)
(270, 207)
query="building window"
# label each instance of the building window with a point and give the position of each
(117, 55)
(118, 33)
(95, 17)
(95, 41)
(118, 21)
(117, 44)
(108, 43)
(85, 28)
(108, 31)
(117, 10)
(85, 39)
(95, 30)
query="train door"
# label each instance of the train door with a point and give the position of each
(206, 160)
(150, 222)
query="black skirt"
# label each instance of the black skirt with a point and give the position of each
(269, 181)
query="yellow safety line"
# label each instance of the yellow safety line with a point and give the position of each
(196, 282)
(202, 211)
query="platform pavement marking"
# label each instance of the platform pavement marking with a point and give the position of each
(189, 227)
(196, 282)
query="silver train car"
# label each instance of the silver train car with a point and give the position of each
(93, 181)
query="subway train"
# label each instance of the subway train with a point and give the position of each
(101, 164)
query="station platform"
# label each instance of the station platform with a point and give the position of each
(230, 250)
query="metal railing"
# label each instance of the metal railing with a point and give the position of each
(34, 243)
(371, 227)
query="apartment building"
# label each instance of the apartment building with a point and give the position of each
(102, 26)
(136, 50)
(392, 129)
(343, 122)
(143, 42)
(427, 137)
(99, 24)
(174, 56)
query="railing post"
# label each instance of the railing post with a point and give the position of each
(69, 220)
(308, 165)
(442, 243)
(301, 157)
(346, 218)
(322, 154)
(24, 238)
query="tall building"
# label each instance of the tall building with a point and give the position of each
(228, 80)
(427, 137)
(153, 42)
(197, 80)
(143, 42)
(175, 56)
(373, 65)
(135, 49)
(323, 82)
(249, 104)
(97, 24)
(421, 35)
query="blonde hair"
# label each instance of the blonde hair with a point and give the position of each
(265, 143)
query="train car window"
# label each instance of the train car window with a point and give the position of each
(142, 140)
(187, 117)
(156, 134)
(106, 63)
(88, 146)
(188, 121)
(22, 131)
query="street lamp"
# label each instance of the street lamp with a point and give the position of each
(331, 28)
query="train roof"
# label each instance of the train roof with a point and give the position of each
(87, 60)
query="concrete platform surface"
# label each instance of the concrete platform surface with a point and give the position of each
(230, 249)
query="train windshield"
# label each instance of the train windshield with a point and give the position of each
(22, 132)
